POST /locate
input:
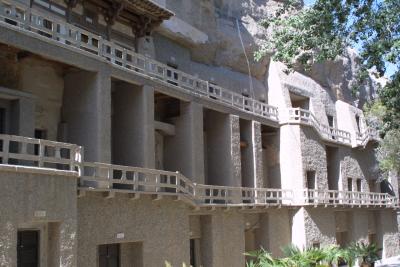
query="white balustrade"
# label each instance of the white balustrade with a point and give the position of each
(24, 151)
(369, 134)
(332, 134)
(28, 19)
(346, 198)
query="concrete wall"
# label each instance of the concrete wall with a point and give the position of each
(313, 157)
(319, 226)
(37, 201)
(163, 239)
(48, 89)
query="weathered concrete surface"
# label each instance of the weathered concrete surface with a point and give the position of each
(168, 234)
(35, 201)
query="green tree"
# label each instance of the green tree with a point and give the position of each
(302, 37)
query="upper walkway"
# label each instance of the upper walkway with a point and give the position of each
(29, 20)
(46, 155)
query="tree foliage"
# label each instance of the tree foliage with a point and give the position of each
(302, 37)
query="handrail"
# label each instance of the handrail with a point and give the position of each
(37, 22)
(18, 150)
(369, 134)
(332, 134)
(348, 198)
(39, 153)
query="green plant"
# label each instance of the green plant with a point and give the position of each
(369, 253)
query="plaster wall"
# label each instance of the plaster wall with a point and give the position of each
(313, 157)
(320, 226)
(163, 239)
(23, 195)
(48, 90)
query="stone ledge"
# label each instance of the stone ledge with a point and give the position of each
(37, 170)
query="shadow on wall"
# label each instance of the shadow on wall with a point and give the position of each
(386, 187)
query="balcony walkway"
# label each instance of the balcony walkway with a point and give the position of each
(27, 20)
(47, 155)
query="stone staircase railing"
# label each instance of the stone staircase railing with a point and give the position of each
(28, 19)
(94, 176)
(332, 134)
(369, 134)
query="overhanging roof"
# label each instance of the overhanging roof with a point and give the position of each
(150, 9)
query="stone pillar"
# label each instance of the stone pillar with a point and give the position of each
(291, 165)
(251, 162)
(278, 231)
(87, 112)
(387, 233)
(235, 162)
(222, 240)
(185, 150)
(133, 126)
(68, 242)
(23, 117)
(223, 149)
(299, 228)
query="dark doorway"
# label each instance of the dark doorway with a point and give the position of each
(109, 255)
(28, 248)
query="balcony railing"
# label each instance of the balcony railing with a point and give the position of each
(369, 134)
(28, 19)
(345, 198)
(50, 155)
(240, 196)
(332, 134)
(100, 176)
(24, 151)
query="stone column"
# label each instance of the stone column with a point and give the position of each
(235, 162)
(387, 233)
(87, 112)
(222, 240)
(251, 163)
(133, 126)
(223, 149)
(23, 117)
(278, 230)
(299, 228)
(185, 150)
(291, 165)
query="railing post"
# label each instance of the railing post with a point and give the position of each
(41, 153)
(6, 149)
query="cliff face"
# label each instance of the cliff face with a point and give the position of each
(214, 31)
(221, 21)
